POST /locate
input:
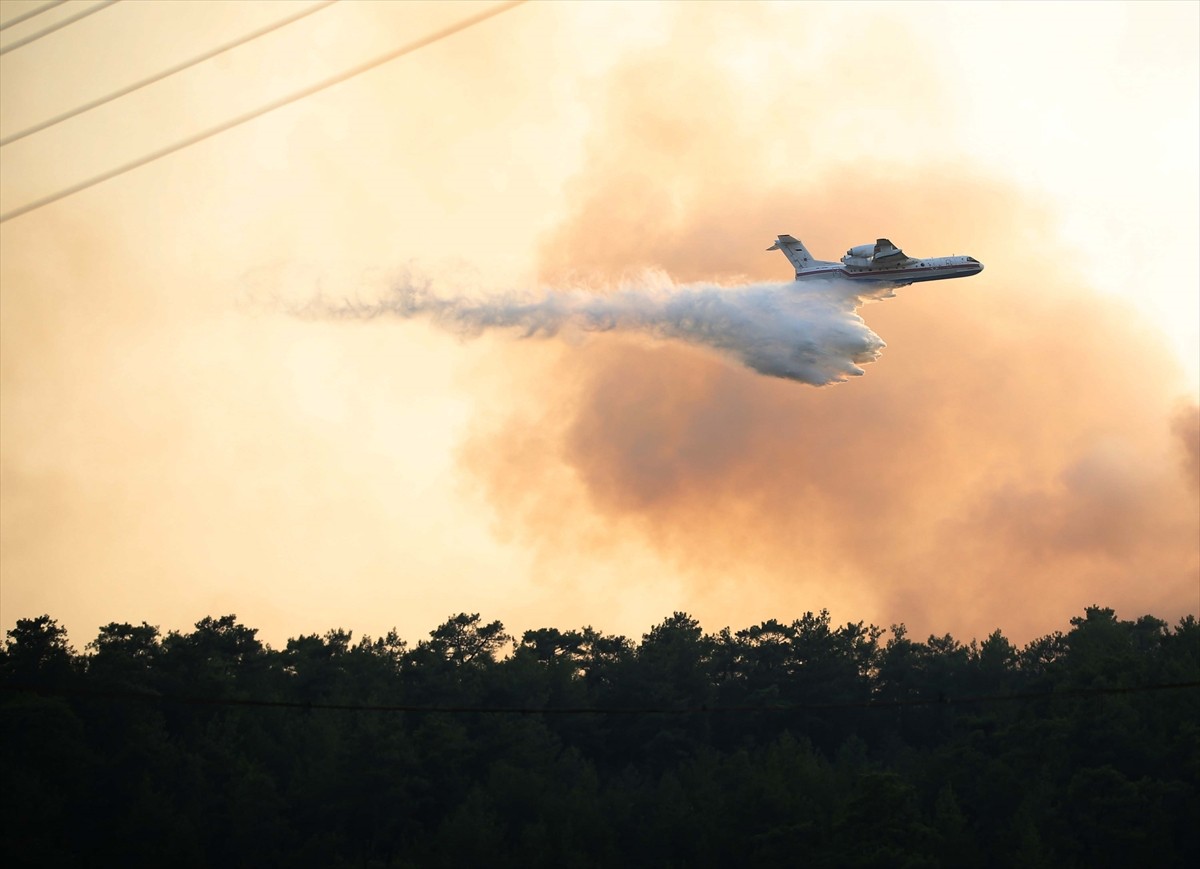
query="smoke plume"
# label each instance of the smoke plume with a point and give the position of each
(1012, 457)
(804, 332)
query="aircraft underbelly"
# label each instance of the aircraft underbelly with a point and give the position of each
(936, 275)
(899, 277)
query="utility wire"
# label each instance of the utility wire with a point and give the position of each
(941, 700)
(31, 13)
(259, 112)
(94, 104)
(34, 37)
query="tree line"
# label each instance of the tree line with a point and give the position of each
(786, 743)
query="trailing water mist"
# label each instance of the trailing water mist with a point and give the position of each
(810, 333)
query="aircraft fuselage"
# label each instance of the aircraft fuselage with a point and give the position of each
(933, 269)
(880, 265)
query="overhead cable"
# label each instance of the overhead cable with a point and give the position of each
(96, 103)
(259, 112)
(31, 13)
(59, 25)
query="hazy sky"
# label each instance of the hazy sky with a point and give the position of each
(175, 444)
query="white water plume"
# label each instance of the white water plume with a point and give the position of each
(807, 332)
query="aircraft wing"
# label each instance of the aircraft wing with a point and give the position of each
(886, 252)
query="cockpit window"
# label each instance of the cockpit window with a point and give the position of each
(972, 259)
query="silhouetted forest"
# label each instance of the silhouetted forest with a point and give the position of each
(801, 743)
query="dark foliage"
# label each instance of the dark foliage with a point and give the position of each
(801, 743)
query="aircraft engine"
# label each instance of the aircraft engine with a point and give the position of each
(863, 250)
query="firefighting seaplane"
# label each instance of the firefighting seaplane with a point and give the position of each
(881, 264)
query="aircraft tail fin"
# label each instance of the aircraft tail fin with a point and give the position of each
(795, 251)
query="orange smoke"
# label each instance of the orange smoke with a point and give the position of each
(1009, 460)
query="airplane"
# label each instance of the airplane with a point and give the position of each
(880, 265)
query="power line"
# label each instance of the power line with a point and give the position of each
(96, 103)
(941, 700)
(34, 37)
(259, 112)
(31, 13)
